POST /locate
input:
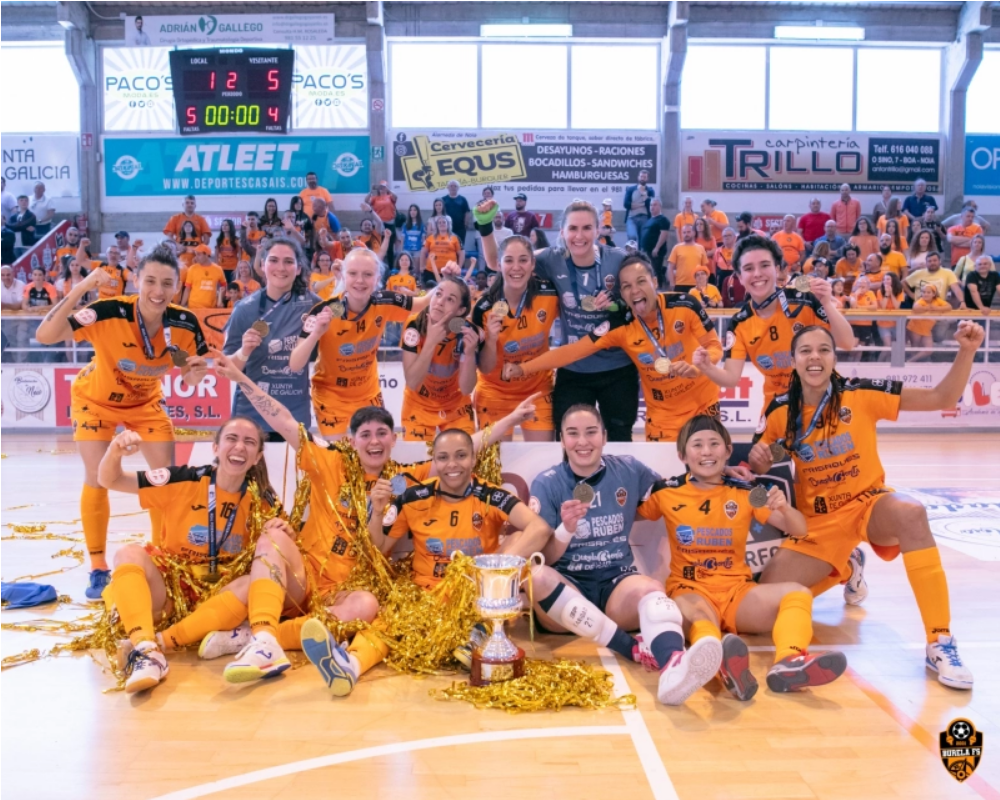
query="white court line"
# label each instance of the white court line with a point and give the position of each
(656, 773)
(401, 747)
(880, 646)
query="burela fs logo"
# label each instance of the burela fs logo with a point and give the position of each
(961, 748)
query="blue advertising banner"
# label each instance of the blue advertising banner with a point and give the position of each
(234, 165)
(982, 165)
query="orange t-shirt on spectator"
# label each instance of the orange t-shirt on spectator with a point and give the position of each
(400, 281)
(443, 248)
(866, 243)
(889, 303)
(186, 257)
(686, 258)
(175, 223)
(895, 262)
(204, 281)
(308, 194)
(721, 222)
(792, 246)
(683, 219)
(229, 255)
(709, 245)
(904, 226)
(959, 230)
(384, 208)
(844, 269)
(924, 327)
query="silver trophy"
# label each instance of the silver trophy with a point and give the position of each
(498, 580)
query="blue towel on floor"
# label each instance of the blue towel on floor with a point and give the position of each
(25, 595)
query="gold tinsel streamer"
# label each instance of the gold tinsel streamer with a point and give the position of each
(546, 686)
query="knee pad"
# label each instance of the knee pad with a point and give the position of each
(658, 608)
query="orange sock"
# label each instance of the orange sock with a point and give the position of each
(265, 601)
(369, 649)
(290, 633)
(95, 512)
(701, 628)
(134, 602)
(930, 588)
(220, 613)
(156, 525)
(793, 628)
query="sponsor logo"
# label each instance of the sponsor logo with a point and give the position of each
(477, 520)
(412, 337)
(435, 547)
(678, 327)
(30, 392)
(731, 340)
(621, 495)
(310, 324)
(535, 504)
(86, 316)
(602, 329)
(157, 477)
(126, 168)
(390, 515)
(569, 300)
(685, 534)
(541, 316)
(845, 415)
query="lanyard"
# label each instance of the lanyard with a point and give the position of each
(661, 351)
(263, 301)
(347, 308)
(440, 491)
(778, 294)
(572, 268)
(213, 545)
(815, 418)
(147, 342)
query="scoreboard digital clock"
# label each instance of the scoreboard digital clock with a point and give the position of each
(232, 89)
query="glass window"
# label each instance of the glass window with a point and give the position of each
(615, 87)
(812, 89)
(982, 112)
(47, 65)
(505, 105)
(434, 85)
(887, 101)
(723, 88)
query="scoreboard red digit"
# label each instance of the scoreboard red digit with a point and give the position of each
(232, 89)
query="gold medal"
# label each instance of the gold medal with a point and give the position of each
(501, 308)
(588, 303)
(337, 309)
(456, 324)
(261, 327)
(584, 492)
(179, 357)
(662, 365)
(777, 451)
(801, 283)
(758, 497)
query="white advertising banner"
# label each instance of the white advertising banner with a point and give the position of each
(52, 158)
(181, 29)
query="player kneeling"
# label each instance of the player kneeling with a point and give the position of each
(708, 518)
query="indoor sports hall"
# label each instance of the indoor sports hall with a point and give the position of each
(376, 417)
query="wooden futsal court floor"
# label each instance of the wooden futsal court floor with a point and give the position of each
(872, 734)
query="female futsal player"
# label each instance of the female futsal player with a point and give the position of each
(347, 329)
(137, 340)
(708, 518)
(664, 334)
(205, 513)
(827, 423)
(439, 362)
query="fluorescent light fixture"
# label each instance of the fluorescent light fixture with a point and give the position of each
(521, 31)
(827, 33)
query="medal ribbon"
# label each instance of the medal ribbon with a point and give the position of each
(213, 545)
(815, 417)
(147, 341)
(661, 351)
(572, 268)
(261, 314)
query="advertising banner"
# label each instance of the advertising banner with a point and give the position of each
(52, 158)
(143, 31)
(982, 172)
(233, 165)
(551, 168)
(42, 253)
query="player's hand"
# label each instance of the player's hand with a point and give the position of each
(969, 335)
(126, 443)
(700, 358)
(760, 458)
(776, 499)
(739, 473)
(85, 243)
(511, 371)
(822, 290)
(196, 369)
(470, 340)
(602, 300)
(451, 269)
(322, 324)
(436, 332)
(494, 326)
(279, 525)
(137, 243)
(525, 410)
(571, 512)
(681, 369)
(250, 342)
(226, 366)
(380, 495)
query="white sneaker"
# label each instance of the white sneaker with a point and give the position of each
(261, 658)
(224, 643)
(125, 648)
(943, 658)
(688, 670)
(856, 588)
(146, 667)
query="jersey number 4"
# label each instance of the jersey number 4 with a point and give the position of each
(706, 507)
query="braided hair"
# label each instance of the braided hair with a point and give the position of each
(831, 414)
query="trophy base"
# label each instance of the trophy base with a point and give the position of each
(487, 671)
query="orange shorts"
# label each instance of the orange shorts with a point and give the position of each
(726, 602)
(832, 537)
(94, 422)
(420, 425)
(492, 407)
(664, 427)
(333, 414)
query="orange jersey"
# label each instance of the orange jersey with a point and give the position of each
(181, 493)
(521, 339)
(186, 253)
(327, 291)
(442, 249)
(889, 303)
(925, 327)
(834, 467)
(176, 222)
(792, 246)
(768, 342)
(707, 295)
(401, 281)
(958, 251)
(686, 258)
(229, 254)
(682, 219)
(441, 527)
(846, 269)
(121, 274)
(866, 243)
(248, 287)
(903, 222)
(120, 374)
(707, 528)
(328, 534)
(347, 351)
(718, 221)
(895, 262)
(308, 194)
(204, 281)
(439, 389)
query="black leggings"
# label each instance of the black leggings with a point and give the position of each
(615, 393)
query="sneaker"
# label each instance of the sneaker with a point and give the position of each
(735, 670)
(261, 658)
(856, 588)
(125, 648)
(689, 670)
(943, 658)
(803, 670)
(99, 579)
(224, 643)
(641, 654)
(332, 660)
(477, 638)
(146, 667)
